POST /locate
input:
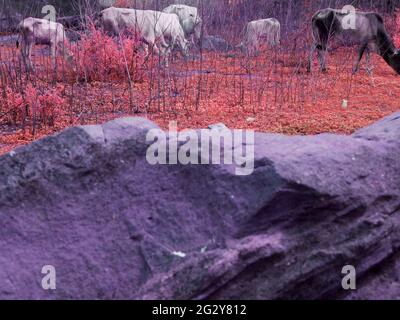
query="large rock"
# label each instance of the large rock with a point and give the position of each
(87, 202)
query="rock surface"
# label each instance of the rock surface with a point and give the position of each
(87, 202)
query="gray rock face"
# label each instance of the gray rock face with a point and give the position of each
(87, 202)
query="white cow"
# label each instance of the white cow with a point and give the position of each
(40, 31)
(261, 31)
(161, 31)
(189, 19)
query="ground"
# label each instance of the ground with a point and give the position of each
(270, 93)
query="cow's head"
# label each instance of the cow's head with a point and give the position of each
(188, 26)
(188, 13)
(195, 18)
(108, 21)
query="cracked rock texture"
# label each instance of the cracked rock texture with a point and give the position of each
(87, 202)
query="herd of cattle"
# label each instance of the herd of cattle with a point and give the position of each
(177, 26)
(180, 26)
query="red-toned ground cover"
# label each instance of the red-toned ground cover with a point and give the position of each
(271, 92)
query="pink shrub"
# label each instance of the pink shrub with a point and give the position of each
(98, 57)
(396, 36)
(49, 103)
(32, 105)
(123, 3)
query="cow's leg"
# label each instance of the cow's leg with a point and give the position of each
(278, 38)
(145, 48)
(248, 47)
(257, 46)
(243, 48)
(252, 50)
(165, 52)
(67, 56)
(26, 54)
(151, 41)
(165, 49)
(311, 57)
(369, 66)
(360, 55)
(184, 47)
(322, 58)
(155, 49)
(144, 45)
(53, 52)
(29, 48)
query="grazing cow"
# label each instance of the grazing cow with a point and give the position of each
(40, 31)
(158, 30)
(260, 31)
(189, 19)
(368, 32)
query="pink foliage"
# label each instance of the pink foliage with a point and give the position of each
(123, 3)
(396, 36)
(41, 106)
(98, 57)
